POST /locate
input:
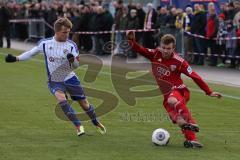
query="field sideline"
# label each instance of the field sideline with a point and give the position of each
(29, 128)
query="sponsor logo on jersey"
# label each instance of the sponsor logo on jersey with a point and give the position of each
(65, 51)
(189, 70)
(163, 71)
(51, 59)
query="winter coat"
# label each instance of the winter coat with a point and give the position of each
(132, 23)
(4, 18)
(212, 26)
(199, 22)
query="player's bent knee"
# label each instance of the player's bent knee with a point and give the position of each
(172, 101)
(180, 121)
(84, 103)
(60, 96)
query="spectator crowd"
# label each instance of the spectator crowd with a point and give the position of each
(217, 25)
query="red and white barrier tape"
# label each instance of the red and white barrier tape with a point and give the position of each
(29, 21)
(200, 36)
(118, 31)
(213, 55)
(25, 20)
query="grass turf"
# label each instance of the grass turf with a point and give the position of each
(29, 128)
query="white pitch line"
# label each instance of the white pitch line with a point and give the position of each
(108, 74)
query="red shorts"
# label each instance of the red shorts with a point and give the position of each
(183, 96)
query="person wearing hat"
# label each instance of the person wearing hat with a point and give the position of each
(222, 32)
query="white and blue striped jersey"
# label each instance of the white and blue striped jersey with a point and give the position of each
(55, 54)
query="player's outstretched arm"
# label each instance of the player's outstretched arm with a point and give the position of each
(148, 53)
(187, 70)
(25, 56)
(203, 85)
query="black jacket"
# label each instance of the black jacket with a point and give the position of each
(141, 15)
(132, 23)
(104, 21)
(199, 22)
(161, 20)
(4, 18)
(170, 21)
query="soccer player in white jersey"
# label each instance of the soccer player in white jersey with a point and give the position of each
(61, 57)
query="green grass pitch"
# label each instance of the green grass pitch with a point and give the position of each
(29, 128)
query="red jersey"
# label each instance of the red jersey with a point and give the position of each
(168, 71)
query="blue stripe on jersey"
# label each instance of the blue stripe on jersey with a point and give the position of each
(44, 39)
(46, 62)
(74, 44)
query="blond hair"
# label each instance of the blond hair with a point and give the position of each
(62, 22)
(168, 39)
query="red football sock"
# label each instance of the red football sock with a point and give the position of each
(189, 135)
(184, 112)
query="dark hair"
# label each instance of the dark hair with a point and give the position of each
(168, 39)
(158, 8)
(120, 2)
(62, 22)
(82, 2)
(231, 4)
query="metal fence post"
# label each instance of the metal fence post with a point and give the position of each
(183, 42)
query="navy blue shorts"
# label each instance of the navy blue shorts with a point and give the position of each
(71, 86)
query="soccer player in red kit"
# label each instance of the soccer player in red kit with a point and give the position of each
(167, 67)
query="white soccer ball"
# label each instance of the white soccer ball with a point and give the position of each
(160, 137)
